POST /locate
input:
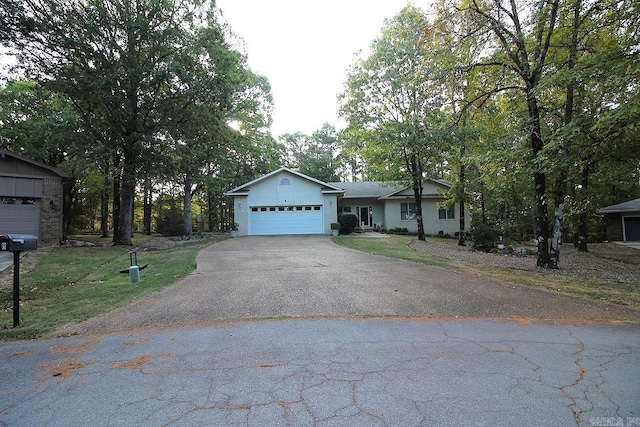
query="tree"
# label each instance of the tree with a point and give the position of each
(314, 155)
(38, 123)
(122, 65)
(392, 102)
(517, 39)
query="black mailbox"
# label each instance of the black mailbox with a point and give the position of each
(18, 242)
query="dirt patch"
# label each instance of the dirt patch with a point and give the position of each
(161, 243)
(24, 353)
(78, 349)
(63, 368)
(135, 363)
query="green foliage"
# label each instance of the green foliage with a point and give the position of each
(40, 124)
(170, 221)
(348, 222)
(314, 155)
(484, 237)
(398, 230)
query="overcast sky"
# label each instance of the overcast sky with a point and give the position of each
(304, 48)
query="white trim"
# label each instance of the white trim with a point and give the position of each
(331, 189)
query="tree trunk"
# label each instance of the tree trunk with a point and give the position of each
(147, 206)
(540, 181)
(117, 186)
(461, 178)
(582, 217)
(416, 176)
(561, 183)
(188, 220)
(104, 204)
(483, 210)
(127, 196)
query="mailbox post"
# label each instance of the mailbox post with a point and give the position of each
(17, 243)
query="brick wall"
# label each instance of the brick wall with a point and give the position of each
(51, 211)
(614, 227)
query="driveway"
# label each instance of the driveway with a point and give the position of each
(310, 276)
(434, 348)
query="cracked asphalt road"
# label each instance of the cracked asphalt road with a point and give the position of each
(335, 337)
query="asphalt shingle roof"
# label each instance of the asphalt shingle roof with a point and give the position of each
(353, 190)
(630, 206)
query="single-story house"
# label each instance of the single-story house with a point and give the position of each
(288, 202)
(31, 197)
(380, 204)
(623, 221)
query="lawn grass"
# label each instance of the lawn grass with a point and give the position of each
(394, 246)
(69, 285)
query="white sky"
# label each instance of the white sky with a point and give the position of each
(304, 48)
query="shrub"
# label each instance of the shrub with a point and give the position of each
(484, 237)
(170, 222)
(399, 230)
(348, 222)
(335, 226)
(382, 230)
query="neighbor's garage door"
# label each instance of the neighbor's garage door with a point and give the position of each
(632, 228)
(20, 216)
(272, 220)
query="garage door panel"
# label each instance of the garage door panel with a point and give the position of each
(632, 228)
(20, 218)
(286, 221)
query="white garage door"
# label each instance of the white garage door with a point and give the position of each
(271, 220)
(20, 216)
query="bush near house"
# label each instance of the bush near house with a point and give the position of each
(348, 222)
(484, 237)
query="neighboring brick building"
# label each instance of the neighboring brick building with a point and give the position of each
(31, 197)
(623, 221)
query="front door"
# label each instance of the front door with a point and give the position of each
(365, 216)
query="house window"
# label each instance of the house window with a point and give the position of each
(448, 213)
(285, 181)
(407, 211)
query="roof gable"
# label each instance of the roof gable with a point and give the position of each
(243, 189)
(33, 165)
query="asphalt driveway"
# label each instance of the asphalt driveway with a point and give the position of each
(459, 350)
(310, 276)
